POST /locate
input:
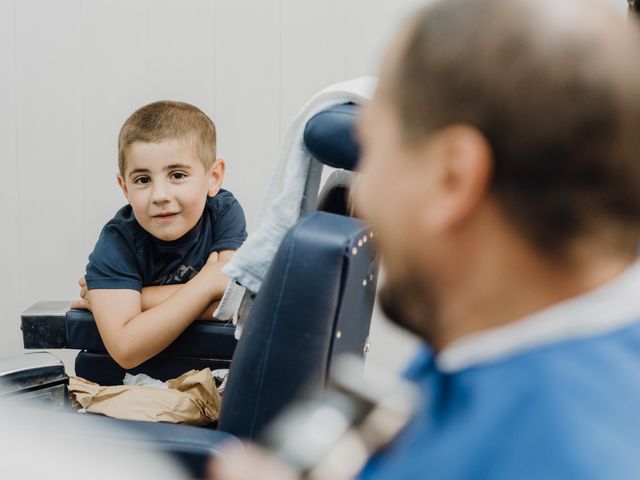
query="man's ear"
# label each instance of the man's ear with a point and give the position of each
(464, 176)
(123, 187)
(215, 176)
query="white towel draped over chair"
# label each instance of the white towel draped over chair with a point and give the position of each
(295, 176)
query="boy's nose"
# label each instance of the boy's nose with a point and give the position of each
(160, 194)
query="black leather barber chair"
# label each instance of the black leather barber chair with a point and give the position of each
(315, 303)
(204, 343)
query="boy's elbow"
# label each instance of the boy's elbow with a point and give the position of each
(127, 363)
(126, 359)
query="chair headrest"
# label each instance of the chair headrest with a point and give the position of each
(329, 136)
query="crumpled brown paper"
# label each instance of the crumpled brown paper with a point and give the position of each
(191, 398)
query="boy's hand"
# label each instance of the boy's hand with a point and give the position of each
(84, 296)
(84, 293)
(213, 258)
(213, 271)
(217, 260)
(213, 266)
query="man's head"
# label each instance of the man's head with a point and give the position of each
(501, 124)
(167, 166)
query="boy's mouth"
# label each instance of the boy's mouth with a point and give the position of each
(165, 215)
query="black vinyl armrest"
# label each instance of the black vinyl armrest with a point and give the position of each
(44, 325)
(54, 325)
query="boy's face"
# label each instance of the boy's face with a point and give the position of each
(167, 185)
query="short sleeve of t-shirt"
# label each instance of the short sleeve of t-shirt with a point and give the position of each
(230, 228)
(113, 263)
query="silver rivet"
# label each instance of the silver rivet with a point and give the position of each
(364, 282)
(354, 251)
(370, 234)
(364, 239)
(360, 243)
(371, 277)
(338, 334)
(367, 347)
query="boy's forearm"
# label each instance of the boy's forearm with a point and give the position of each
(153, 296)
(151, 331)
(143, 334)
(208, 312)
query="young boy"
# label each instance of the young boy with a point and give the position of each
(157, 264)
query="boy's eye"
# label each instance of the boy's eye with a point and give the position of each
(142, 180)
(178, 175)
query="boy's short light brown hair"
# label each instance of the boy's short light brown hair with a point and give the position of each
(166, 120)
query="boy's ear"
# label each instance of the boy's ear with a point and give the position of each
(123, 187)
(215, 176)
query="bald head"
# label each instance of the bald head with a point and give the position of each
(554, 87)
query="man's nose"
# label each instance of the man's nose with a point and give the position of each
(161, 193)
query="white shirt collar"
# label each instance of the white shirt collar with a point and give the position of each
(606, 308)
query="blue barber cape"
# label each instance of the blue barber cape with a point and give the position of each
(554, 395)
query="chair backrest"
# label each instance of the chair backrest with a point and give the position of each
(315, 302)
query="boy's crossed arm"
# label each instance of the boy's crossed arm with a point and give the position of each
(136, 326)
(152, 296)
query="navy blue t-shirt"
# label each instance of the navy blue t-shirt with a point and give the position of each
(127, 256)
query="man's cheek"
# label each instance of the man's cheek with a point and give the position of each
(362, 196)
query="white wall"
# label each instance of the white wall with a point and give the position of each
(72, 71)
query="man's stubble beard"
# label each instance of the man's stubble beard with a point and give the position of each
(410, 302)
